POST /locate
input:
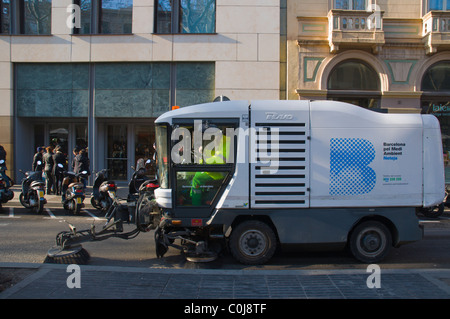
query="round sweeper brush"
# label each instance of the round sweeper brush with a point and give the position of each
(72, 255)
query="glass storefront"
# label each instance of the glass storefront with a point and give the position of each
(52, 102)
(436, 101)
(117, 156)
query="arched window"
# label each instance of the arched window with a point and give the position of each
(354, 81)
(437, 78)
(436, 100)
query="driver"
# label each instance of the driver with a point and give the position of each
(201, 182)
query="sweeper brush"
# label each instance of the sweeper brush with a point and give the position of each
(68, 249)
(73, 255)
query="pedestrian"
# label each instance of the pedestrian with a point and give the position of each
(59, 166)
(48, 169)
(3, 168)
(81, 164)
(75, 152)
(38, 160)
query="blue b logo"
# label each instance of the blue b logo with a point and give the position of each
(349, 170)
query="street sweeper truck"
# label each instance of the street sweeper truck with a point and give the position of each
(255, 176)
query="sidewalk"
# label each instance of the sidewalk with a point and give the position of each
(49, 281)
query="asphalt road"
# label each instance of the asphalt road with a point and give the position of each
(25, 237)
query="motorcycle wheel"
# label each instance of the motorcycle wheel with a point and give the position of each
(22, 201)
(39, 208)
(433, 212)
(77, 208)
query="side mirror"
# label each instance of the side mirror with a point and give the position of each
(60, 165)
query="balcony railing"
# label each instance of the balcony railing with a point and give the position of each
(355, 28)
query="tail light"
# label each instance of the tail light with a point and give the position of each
(152, 185)
(112, 185)
(78, 190)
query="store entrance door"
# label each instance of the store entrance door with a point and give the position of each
(117, 158)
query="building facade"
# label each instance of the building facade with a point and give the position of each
(96, 73)
(393, 56)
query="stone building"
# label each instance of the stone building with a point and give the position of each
(96, 73)
(392, 56)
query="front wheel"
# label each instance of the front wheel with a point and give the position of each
(253, 242)
(23, 201)
(370, 242)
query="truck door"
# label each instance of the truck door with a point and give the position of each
(279, 168)
(203, 161)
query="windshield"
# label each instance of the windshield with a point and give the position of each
(162, 156)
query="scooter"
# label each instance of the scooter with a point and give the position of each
(135, 183)
(73, 195)
(103, 191)
(33, 190)
(146, 208)
(5, 193)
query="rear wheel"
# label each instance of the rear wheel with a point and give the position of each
(253, 242)
(370, 242)
(39, 208)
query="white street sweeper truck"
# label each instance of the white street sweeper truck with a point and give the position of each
(252, 176)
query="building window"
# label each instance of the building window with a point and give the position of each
(350, 4)
(122, 90)
(438, 5)
(5, 17)
(105, 16)
(36, 16)
(52, 89)
(30, 17)
(185, 16)
(355, 82)
(131, 89)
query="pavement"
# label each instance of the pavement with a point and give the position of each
(55, 281)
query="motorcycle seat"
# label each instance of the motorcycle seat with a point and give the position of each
(37, 183)
(76, 184)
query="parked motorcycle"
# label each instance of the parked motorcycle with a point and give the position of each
(73, 191)
(103, 191)
(5, 193)
(33, 190)
(135, 183)
(147, 211)
(438, 210)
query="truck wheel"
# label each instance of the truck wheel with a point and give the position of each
(370, 242)
(253, 242)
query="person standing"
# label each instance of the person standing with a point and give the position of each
(81, 164)
(38, 160)
(48, 169)
(59, 166)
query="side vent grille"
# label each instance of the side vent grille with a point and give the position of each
(279, 170)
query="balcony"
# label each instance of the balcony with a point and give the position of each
(355, 29)
(436, 31)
